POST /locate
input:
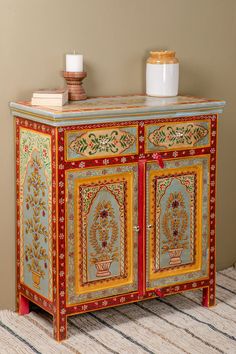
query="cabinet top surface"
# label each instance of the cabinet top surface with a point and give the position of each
(116, 106)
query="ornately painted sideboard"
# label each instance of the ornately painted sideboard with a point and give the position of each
(115, 202)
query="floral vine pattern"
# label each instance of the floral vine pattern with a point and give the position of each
(178, 135)
(101, 142)
(35, 201)
(102, 228)
(36, 211)
(176, 218)
(103, 235)
(174, 223)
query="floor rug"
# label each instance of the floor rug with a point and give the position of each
(175, 324)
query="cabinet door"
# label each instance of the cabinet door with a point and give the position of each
(177, 221)
(101, 245)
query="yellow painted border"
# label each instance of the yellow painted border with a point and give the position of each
(105, 155)
(182, 147)
(80, 289)
(197, 265)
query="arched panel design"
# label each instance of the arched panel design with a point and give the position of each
(177, 215)
(103, 257)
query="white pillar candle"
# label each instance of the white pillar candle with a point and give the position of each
(74, 62)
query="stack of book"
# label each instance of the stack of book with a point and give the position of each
(56, 97)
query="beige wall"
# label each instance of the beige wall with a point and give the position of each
(115, 37)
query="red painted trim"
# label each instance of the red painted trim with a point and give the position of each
(210, 294)
(23, 305)
(17, 123)
(142, 226)
(22, 289)
(60, 321)
(31, 295)
(135, 297)
(158, 159)
(205, 297)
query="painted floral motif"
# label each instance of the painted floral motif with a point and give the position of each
(29, 141)
(35, 221)
(175, 220)
(85, 190)
(174, 226)
(103, 235)
(36, 255)
(100, 143)
(178, 135)
(104, 226)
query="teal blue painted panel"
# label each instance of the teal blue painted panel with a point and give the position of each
(175, 214)
(36, 226)
(109, 217)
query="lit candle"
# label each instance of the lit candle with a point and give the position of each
(74, 62)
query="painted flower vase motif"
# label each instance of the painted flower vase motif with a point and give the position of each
(103, 268)
(36, 279)
(35, 252)
(174, 225)
(103, 236)
(175, 256)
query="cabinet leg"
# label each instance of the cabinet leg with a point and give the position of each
(59, 327)
(23, 306)
(208, 296)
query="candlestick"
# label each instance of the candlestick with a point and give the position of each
(74, 62)
(75, 85)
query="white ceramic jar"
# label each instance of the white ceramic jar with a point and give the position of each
(162, 74)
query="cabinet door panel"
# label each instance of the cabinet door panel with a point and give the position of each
(177, 210)
(102, 248)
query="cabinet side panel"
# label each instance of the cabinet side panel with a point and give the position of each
(35, 210)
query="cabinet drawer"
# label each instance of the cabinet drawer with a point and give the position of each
(101, 142)
(177, 135)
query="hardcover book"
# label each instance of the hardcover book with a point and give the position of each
(53, 93)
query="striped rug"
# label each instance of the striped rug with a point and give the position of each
(175, 324)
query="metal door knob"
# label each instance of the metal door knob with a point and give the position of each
(136, 228)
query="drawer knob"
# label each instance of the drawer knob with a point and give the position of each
(149, 227)
(136, 228)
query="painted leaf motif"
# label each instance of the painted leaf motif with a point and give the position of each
(99, 142)
(35, 255)
(172, 136)
(175, 222)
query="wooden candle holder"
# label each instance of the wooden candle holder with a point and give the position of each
(75, 85)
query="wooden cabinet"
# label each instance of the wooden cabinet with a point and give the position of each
(115, 202)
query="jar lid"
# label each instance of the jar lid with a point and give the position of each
(162, 57)
(163, 53)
